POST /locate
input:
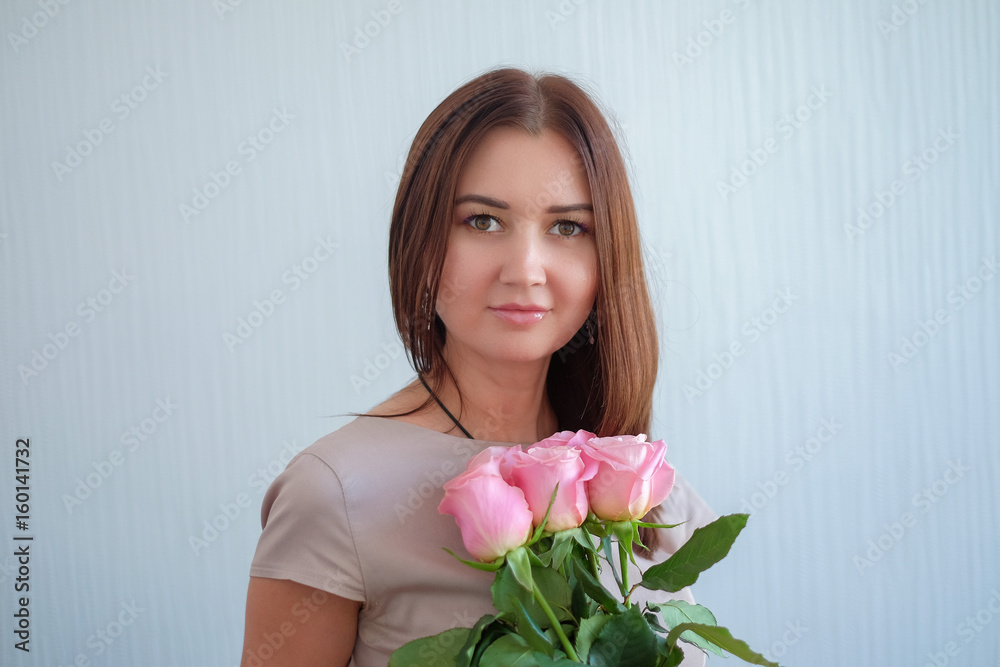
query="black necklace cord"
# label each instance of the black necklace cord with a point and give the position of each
(438, 401)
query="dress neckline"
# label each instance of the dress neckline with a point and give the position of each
(443, 435)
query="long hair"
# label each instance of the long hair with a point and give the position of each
(606, 386)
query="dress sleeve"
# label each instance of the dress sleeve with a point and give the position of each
(307, 535)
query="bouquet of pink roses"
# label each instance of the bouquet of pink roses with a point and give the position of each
(546, 519)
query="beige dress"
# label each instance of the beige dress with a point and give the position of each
(355, 514)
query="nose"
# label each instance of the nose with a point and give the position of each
(524, 260)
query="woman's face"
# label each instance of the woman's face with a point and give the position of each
(520, 274)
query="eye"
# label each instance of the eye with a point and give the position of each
(483, 222)
(568, 228)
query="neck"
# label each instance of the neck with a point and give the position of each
(505, 403)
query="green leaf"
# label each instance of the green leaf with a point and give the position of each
(520, 566)
(555, 589)
(529, 629)
(582, 606)
(625, 641)
(596, 590)
(508, 651)
(558, 661)
(585, 636)
(486, 631)
(440, 649)
(658, 525)
(609, 555)
(595, 527)
(676, 612)
(583, 539)
(506, 585)
(551, 584)
(561, 548)
(654, 622)
(721, 637)
(706, 547)
(485, 567)
(669, 656)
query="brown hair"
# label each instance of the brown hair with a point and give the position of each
(605, 387)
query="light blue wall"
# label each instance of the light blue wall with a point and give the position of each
(903, 94)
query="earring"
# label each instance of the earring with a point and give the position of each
(589, 329)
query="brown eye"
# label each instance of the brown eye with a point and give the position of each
(483, 223)
(567, 228)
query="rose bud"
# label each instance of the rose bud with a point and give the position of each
(492, 515)
(632, 477)
(537, 471)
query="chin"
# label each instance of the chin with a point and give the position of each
(519, 354)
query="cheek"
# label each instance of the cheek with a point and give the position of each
(461, 276)
(583, 281)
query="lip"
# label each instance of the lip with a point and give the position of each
(517, 313)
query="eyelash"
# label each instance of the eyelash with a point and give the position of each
(584, 229)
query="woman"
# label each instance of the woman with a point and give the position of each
(518, 290)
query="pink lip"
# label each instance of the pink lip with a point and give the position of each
(519, 314)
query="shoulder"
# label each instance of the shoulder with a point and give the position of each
(413, 405)
(368, 460)
(369, 440)
(317, 478)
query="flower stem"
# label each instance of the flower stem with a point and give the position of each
(623, 561)
(544, 604)
(630, 591)
(592, 560)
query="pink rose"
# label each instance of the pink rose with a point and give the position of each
(537, 470)
(566, 439)
(493, 515)
(632, 477)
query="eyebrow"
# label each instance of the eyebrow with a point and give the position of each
(497, 203)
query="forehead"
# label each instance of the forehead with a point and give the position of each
(518, 167)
